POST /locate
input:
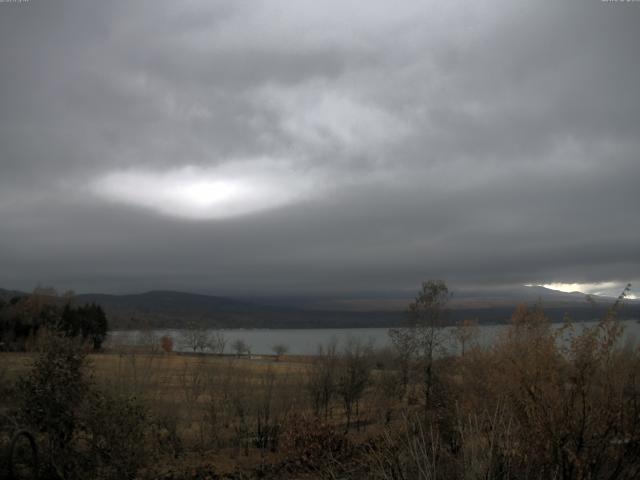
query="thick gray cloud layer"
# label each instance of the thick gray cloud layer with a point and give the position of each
(278, 146)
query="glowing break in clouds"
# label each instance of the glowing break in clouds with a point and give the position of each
(612, 289)
(205, 193)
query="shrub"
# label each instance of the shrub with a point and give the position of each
(166, 343)
(115, 427)
(312, 442)
(88, 433)
(50, 395)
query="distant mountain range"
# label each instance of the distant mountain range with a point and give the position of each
(173, 309)
(460, 299)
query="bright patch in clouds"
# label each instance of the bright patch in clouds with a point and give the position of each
(612, 289)
(205, 193)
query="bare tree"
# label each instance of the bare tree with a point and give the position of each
(423, 335)
(353, 377)
(240, 347)
(465, 332)
(222, 378)
(148, 340)
(321, 382)
(195, 337)
(267, 419)
(405, 346)
(240, 398)
(192, 380)
(217, 342)
(280, 349)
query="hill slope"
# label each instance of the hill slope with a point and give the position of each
(171, 309)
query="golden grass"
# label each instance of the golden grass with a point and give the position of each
(170, 379)
(168, 384)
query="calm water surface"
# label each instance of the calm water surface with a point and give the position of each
(306, 341)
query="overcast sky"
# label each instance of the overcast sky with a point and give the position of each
(250, 147)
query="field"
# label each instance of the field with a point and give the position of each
(206, 409)
(541, 402)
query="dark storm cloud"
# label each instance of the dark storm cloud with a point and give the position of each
(273, 147)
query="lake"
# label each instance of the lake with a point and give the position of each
(306, 341)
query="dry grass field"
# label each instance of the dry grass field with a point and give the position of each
(530, 406)
(206, 409)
